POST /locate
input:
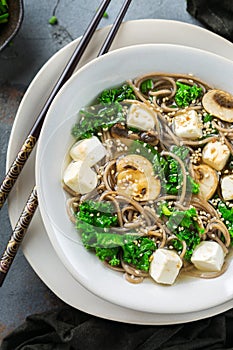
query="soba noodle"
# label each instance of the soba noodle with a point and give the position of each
(133, 174)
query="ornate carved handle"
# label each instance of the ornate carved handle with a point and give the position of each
(18, 234)
(16, 168)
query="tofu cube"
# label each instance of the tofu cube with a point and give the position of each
(80, 177)
(165, 266)
(208, 256)
(89, 150)
(227, 187)
(216, 154)
(140, 117)
(187, 125)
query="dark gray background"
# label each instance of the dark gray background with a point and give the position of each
(23, 293)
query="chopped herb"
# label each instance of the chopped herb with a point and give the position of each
(117, 94)
(186, 94)
(53, 20)
(146, 86)
(207, 118)
(165, 210)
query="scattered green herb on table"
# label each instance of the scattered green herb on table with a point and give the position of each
(4, 12)
(53, 20)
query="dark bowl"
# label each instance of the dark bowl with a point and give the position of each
(8, 30)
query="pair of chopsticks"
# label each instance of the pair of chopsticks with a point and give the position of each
(15, 169)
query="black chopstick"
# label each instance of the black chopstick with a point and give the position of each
(30, 141)
(29, 210)
(114, 29)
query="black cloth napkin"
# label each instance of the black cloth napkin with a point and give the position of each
(216, 15)
(70, 329)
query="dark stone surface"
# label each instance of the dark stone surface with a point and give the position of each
(23, 292)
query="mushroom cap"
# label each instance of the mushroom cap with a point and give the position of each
(135, 177)
(207, 178)
(219, 104)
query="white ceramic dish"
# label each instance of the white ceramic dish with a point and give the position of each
(190, 294)
(37, 247)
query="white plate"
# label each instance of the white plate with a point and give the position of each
(37, 247)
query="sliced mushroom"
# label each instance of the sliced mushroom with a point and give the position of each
(207, 178)
(220, 104)
(135, 178)
(118, 130)
(150, 137)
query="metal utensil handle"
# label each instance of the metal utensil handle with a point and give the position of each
(16, 168)
(18, 234)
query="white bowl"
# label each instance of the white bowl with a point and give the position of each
(186, 295)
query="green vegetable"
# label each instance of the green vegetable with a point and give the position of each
(138, 252)
(105, 15)
(207, 118)
(117, 94)
(184, 225)
(111, 255)
(167, 169)
(94, 220)
(186, 94)
(173, 173)
(4, 13)
(227, 214)
(95, 118)
(99, 214)
(143, 149)
(53, 20)
(165, 210)
(146, 86)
